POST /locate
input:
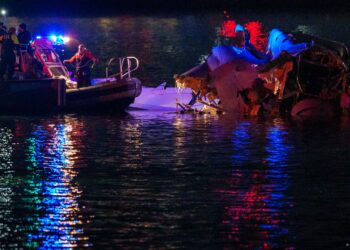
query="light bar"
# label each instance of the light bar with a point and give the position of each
(56, 39)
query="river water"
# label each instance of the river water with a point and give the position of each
(171, 44)
(160, 180)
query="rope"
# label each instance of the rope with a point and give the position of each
(86, 64)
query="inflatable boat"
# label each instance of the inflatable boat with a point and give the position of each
(42, 84)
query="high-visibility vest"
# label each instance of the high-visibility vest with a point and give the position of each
(9, 41)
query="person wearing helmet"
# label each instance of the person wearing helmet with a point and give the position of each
(10, 43)
(83, 60)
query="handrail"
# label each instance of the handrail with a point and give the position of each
(122, 60)
(108, 65)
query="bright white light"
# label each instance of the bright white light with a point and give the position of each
(53, 38)
(3, 12)
(66, 39)
(38, 37)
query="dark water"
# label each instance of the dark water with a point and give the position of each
(149, 180)
(171, 44)
(144, 180)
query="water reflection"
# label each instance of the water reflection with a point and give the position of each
(6, 184)
(242, 143)
(256, 206)
(132, 153)
(180, 151)
(52, 190)
(162, 181)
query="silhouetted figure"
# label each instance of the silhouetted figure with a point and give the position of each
(24, 36)
(8, 58)
(3, 30)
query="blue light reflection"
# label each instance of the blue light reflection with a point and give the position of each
(255, 194)
(59, 220)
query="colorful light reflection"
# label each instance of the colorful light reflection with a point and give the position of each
(58, 221)
(256, 205)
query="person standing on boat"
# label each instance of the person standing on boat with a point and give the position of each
(24, 36)
(10, 43)
(83, 59)
(2, 32)
(26, 55)
(2, 29)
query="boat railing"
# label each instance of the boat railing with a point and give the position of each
(127, 65)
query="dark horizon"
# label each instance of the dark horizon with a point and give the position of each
(110, 7)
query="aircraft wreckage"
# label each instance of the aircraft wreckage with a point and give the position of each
(297, 74)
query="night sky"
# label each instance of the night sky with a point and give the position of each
(110, 7)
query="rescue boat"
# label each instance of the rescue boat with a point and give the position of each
(43, 84)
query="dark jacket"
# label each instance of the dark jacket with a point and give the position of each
(9, 43)
(24, 37)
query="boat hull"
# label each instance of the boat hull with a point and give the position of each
(109, 96)
(51, 96)
(30, 96)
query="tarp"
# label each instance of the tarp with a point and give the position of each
(223, 54)
(279, 41)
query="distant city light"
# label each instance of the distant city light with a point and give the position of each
(3, 12)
